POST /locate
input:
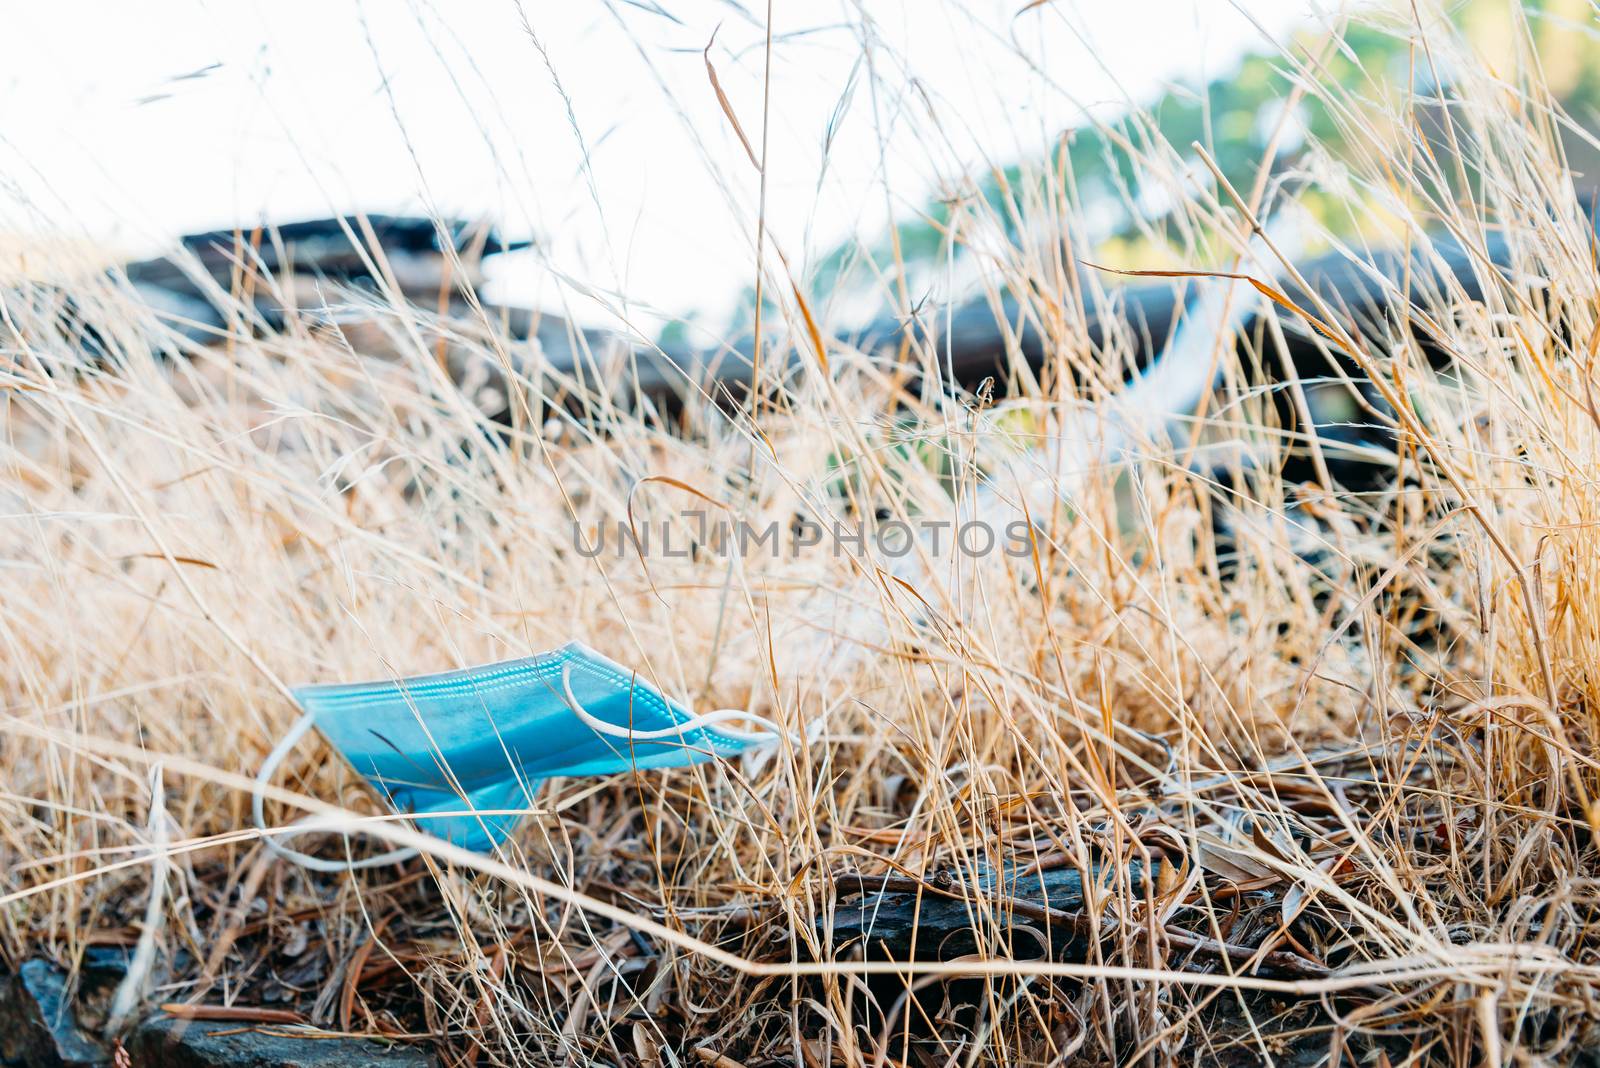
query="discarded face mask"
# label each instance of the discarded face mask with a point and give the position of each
(462, 752)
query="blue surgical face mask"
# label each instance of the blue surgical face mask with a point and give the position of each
(462, 751)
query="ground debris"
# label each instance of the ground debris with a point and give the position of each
(1036, 913)
(940, 917)
(48, 1022)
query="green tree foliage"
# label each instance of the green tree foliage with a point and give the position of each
(1234, 116)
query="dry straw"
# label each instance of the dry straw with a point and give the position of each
(1358, 727)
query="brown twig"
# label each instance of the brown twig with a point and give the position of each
(352, 975)
(231, 1013)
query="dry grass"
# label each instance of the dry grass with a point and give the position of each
(182, 539)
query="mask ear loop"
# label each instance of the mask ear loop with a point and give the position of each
(705, 719)
(305, 826)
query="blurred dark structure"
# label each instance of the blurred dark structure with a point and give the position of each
(344, 270)
(350, 272)
(315, 266)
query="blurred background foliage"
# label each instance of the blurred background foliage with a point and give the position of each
(1123, 207)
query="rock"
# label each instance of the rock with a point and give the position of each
(164, 1042)
(38, 1027)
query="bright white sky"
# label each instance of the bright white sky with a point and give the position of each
(284, 114)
